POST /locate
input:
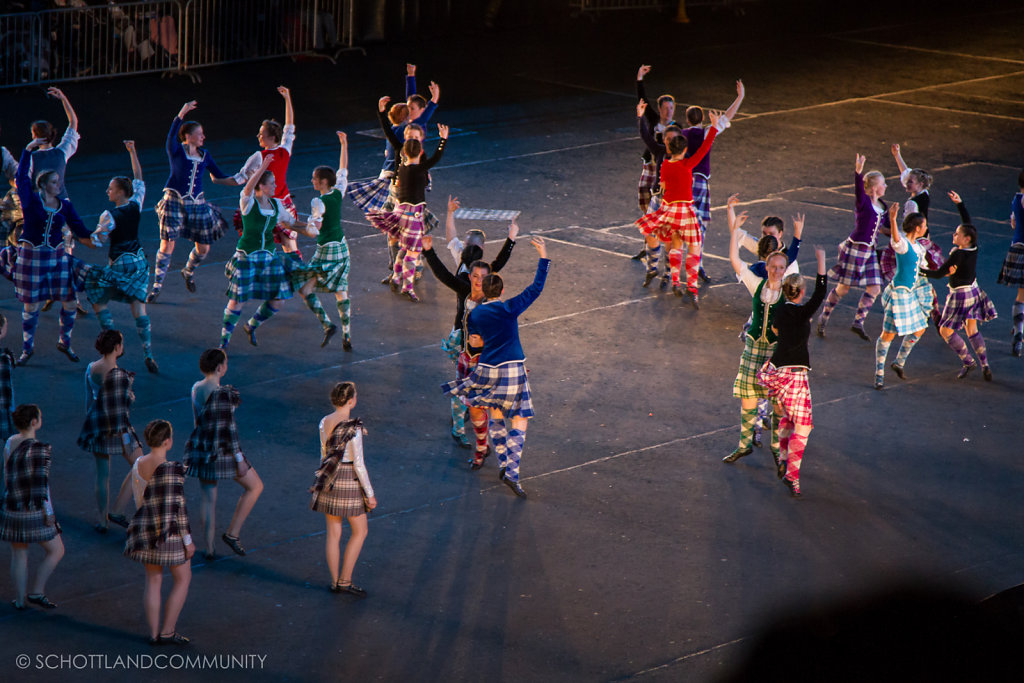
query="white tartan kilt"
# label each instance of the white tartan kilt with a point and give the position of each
(906, 310)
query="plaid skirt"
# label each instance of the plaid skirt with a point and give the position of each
(702, 199)
(26, 526)
(169, 553)
(789, 388)
(430, 222)
(369, 195)
(505, 387)
(755, 354)
(113, 444)
(343, 497)
(195, 220)
(221, 467)
(645, 188)
(966, 303)
(1012, 272)
(404, 223)
(857, 266)
(465, 364)
(262, 275)
(126, 279)
(329, 267)
(452, 344)
(906, 310)
(42, 274)
(672, 218)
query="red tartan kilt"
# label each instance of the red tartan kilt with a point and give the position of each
(671, 220)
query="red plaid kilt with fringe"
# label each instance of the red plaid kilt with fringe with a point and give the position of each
(789, 388)
(672, 218)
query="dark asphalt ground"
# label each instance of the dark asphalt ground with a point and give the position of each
(638, 554)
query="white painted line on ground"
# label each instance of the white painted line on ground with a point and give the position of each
(947, 53)
(950, 110)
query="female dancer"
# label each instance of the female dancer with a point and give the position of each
(160, 535)
(676, 221)
(183, 211)
(6, 394)
(907, 299)
(327, 272)
(858, 264)
(127, 275)
(108, 429)
(758, 343)
(257, 270)
(213, 451)
(1012, 272)
(40, 267)
(785, 374)
(656, 148)
(966, 303)
(51, 155)
(275, 142)
(406, 221)
(27, 512)
(341, 486)
(656, 120)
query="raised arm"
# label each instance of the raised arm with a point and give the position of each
(734, 249)
(442, 130)
(289, 111)
(254, 179)
(793, 250)
(858, 179)
(895, 149)
(894, 228)
(343, 154)
(449, 222)
(410, 80)
(385, 124)
(521, 302)
(651, 112)
(57, 93)
(709, 139)
(440, 271)
(961, 208)
(645, 130)
(730, 113)
(506, 249)
(136, 166)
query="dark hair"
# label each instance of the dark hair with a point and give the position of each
(210, 360)
(480, 264)
(792, 285)
(273, 128)
(24, 414)
(342, 393)
(412, 148)
(46, 131)
(766, 246)
(694, 115)
(971, 232)
(676, 145)
(418, 100)
(186, 129)
(774, 222)
(666, 98)
(912, 221)
(44, 177)
(326, 173)
(123, 184)
(157, 432)
(471, 253)
(107, 341)
(265, 178)
(493, 286)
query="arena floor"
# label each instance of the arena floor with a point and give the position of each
(638, 553)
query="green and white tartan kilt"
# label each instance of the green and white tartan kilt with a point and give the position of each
(755, 354)
(906, 310)
(125, 279)
(329, 266)
(261, 275)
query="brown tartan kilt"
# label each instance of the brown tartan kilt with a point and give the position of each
(26, 526)
(343, 497)
(167, 554)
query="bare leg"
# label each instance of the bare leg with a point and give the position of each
(54, 552)
(19, 570)
(333, 546)
(208, 511)
(102, 487)
(182, 575)
(353, 547)
(253, 486)
(151, 598)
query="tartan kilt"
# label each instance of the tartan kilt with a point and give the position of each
(887, 263)
(112, 444)
(329, 267)
(261, 275)
(755, 354)
(452, 344)
(505, 387)
(343, 497)
(195, 220)
(672, 218)
(645, 188)
(702, 199)
(966, 303)
(125, 279)
(167, 553)
(857, 266)
(221, 467)
(26, 526)
(906, 310)
(465, 364)
(404, 223)
(369, 195)
(42, 274)
(1012, 272)
(430, 222)
(790, 389)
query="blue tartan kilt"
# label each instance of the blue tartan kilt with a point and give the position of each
(452, 344)
(906, 310)
(369, 195)
(125, 279)
(42, 273)
(505, 387)
(966, 303)
(1012, 272)
(261, 275)
(195, 220)
(702, 199)
(329, 267)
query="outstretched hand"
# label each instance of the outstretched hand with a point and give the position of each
(641, 107)
(129, 145)
(733, 200)
(538, 244)
(895, 149)
(955, 197)
(513, 230)
(435, 92)
(442, 130)
(410, 69)
(285, 92)
(798, 223)
(342, 137)
(57, 93)
(859, 163)
(428, 242)
(453, 203)
(382, 103)
(643, 71)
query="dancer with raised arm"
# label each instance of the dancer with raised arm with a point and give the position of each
(1012, 272)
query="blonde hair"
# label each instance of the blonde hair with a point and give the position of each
(869, 178)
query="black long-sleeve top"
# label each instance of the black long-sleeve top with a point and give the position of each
(460, 283)
(966, 262)
(411, 179)
(651, 114)
(792, 323)
(655, 147)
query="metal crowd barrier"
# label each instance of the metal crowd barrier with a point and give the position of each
(587, 7)
(166, 36)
